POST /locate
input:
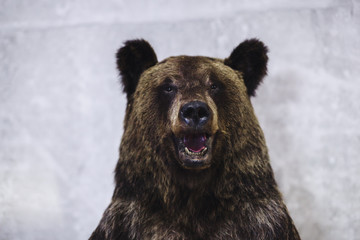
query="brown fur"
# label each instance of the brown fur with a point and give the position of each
(156, 198)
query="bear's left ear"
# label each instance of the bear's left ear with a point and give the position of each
(132, 60)
(250, 58)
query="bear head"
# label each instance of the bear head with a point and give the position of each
(189, 118)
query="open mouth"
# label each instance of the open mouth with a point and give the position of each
(194, 150)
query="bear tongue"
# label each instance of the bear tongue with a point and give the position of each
(195, 143)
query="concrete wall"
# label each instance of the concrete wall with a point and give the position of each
(61, 108)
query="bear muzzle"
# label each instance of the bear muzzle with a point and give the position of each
(193, 137)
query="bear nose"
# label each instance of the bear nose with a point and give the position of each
(195, 114)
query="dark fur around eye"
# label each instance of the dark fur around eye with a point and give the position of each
(167, 87)
(215, 85)
(216, 88)
(165, 96)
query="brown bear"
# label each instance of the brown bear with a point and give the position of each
(193, 161)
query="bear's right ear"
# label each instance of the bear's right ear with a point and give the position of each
(132, 60)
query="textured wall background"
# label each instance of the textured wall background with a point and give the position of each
(61, 107)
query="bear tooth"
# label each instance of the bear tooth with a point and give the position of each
(187, 151)
(195, 153)
(204, 150)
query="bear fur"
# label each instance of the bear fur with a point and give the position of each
(193, 160)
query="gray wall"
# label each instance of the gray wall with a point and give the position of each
(61, 107)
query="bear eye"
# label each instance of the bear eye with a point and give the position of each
(169, 89)
(216, 88)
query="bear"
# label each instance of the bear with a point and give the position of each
(193, 160)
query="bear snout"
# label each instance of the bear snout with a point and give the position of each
(195, 114)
